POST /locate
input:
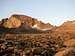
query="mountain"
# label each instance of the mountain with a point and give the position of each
(16, 20)
(65, 31)
(68, 26)
(22, 23)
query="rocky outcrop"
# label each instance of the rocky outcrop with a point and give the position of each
(12, 22)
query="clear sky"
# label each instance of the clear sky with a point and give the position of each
(53, 11)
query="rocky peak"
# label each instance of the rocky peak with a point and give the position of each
(15, 21)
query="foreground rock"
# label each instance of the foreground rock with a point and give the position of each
(66, 52)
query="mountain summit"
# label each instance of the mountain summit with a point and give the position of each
(20, 22)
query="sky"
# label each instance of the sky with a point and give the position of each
(52, 11)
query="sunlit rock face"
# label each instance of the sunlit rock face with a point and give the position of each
(12, 22)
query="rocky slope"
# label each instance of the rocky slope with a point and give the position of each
(67, 29)
(67, 26)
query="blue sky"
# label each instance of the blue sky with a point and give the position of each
(53, 11)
